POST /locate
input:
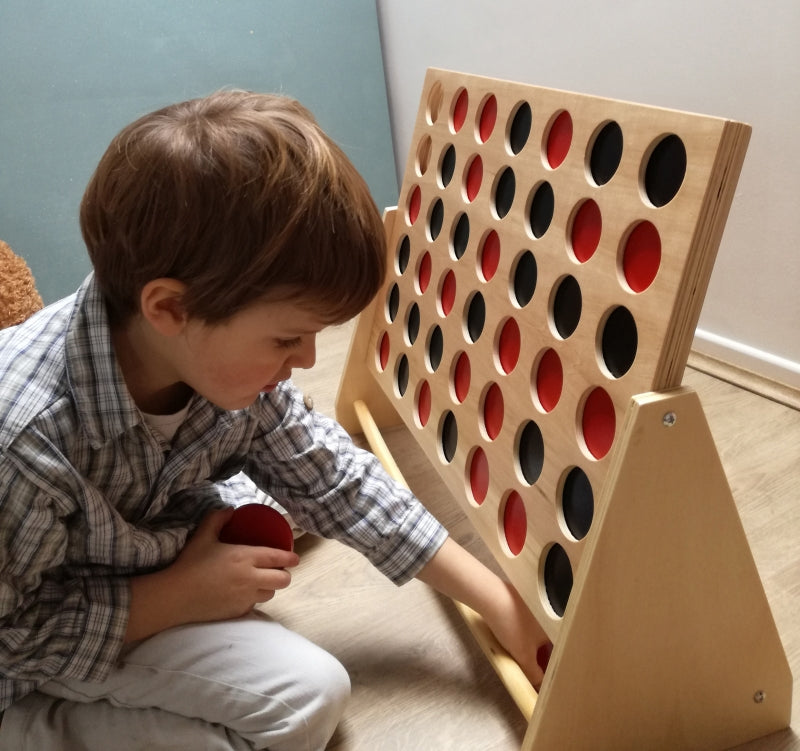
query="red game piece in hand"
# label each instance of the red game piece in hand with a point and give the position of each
(256, 524)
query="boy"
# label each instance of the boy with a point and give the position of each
(224, 234)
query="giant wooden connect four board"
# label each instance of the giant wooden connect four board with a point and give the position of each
(547, 264)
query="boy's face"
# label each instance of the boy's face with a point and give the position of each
(231, 363)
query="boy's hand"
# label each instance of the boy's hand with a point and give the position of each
(209, 581)
(228, 580)
(457, 574)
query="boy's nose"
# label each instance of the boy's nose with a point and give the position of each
(306, 355)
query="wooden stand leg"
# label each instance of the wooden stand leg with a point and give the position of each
(668, 641)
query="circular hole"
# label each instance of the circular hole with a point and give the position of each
(447, 166)
(461, 377)
(393, 303)
(435, 219)
(479, 476)
(567, 304)
(520, 128)
(504, 192)
(447, 293)
(412, 324)
(577, 503)
(424, 404)
(493, 411)
(490, 255)
(619, 341)
(383, 352)
(530, 452)
(587, 225)
(460, 108)
(525, 274)
(606, 153)
(435, 97)
(476, 317)
(403, 254)
(474, 178)
(448, 436)
(559, 139)
(435, 348)
(541, 210)
(665, 170)
(515, 523)
(423, 155)
(487, 118)
(641, 257)
(401, 376)
(557, 578)
(598, 423)
(424, 272)
(549, 380)
(414, 204)
(509, 346)
(460, 236)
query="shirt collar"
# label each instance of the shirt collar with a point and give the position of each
(104, 405)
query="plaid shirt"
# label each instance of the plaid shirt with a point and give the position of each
(90, 495)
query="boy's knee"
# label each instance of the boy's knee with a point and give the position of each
(324, 700)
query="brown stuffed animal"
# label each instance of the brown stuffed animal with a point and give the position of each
(18, 296)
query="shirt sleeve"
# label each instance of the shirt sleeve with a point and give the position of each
(54, 620)
(331, 487)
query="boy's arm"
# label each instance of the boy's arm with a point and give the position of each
(457, 574)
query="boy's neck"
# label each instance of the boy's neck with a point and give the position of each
(147, 373)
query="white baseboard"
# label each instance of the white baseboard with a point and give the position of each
(773, 376)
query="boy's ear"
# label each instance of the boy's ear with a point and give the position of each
(161, 304)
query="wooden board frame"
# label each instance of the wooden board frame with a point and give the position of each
(392, 363)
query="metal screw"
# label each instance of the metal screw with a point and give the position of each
(759, 697)
(670, 419)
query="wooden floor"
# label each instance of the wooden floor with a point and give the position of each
(419, 680)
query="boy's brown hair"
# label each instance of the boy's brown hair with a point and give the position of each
(242, 197)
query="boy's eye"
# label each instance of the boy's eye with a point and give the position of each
(288, 343)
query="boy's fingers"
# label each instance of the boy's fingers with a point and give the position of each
(214, 521)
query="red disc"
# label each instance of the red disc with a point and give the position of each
(424, 404)
(256, 524)
(549, 380)
(642, 256)
(509, 346)
(490, 255)
(414, 204)
(515, 523)
(479, 476)
(460, 110)
(598, 423)
(586, 229)
(424, 272)
(474, 178)
(493, 411)
(462, 377)
(448, 293)
(488, 119)
(559, 139)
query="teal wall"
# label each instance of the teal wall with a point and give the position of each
(72, 74)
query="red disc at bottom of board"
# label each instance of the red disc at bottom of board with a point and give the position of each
(515, 522)
(383, 352)
(256, 524)
(598, 423)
